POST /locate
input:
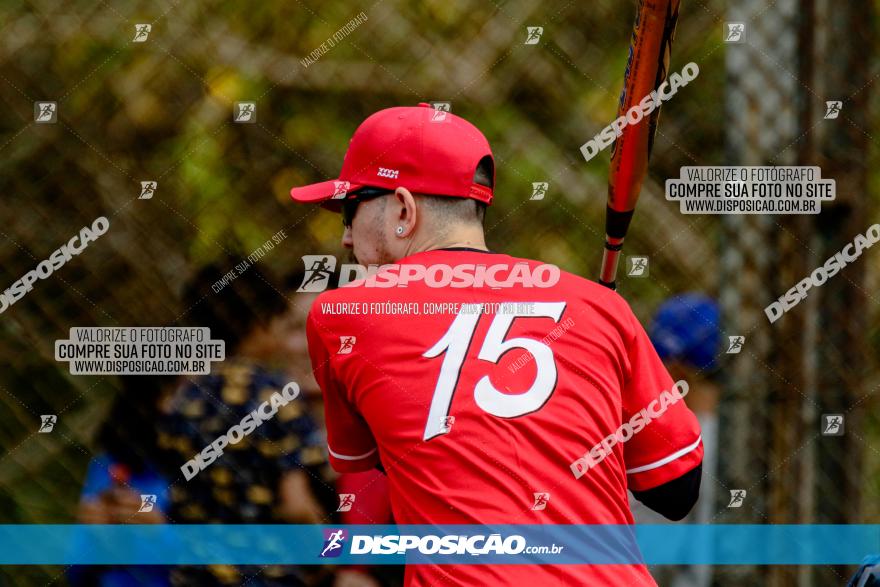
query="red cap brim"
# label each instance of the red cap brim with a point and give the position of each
(324, 193)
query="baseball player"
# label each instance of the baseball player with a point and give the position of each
(484, 384)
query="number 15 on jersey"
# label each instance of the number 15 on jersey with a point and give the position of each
(455, 343)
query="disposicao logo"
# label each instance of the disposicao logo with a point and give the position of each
(333, 542)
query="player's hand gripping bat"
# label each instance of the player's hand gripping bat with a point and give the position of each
(645, 71)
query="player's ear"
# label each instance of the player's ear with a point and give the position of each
(406, 211)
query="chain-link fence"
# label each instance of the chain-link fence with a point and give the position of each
(161, 109)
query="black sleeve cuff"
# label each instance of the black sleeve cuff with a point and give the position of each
(676, 498)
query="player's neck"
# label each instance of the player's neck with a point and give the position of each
(465, 237)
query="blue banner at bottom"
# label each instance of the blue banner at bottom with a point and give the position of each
(429, 544)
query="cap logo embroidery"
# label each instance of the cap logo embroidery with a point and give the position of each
(390, 173)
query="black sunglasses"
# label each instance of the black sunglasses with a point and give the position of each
(350, 205)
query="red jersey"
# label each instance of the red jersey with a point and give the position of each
(480, 400)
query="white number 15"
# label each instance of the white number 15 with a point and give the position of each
(455, 344)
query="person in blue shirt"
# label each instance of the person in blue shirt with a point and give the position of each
(124, 482)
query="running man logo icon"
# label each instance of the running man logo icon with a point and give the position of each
(45, 112)
(638, 266)
(541, 500)
(533, 34)
(832, 109)
(245, 112)
(47, 423)
(148, 188)
(446, 425)
(319, 268)
(333, 541)
(832, 424)
(148, 500)
(737, 496)
(539, 189)
(340, 189)
(346, 501)
(736, 344)
(346, 345)
(441, 109)
(736, 32)
(141, 32)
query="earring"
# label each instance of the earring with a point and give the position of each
(399, 230)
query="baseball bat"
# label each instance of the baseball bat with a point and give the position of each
(646, 70)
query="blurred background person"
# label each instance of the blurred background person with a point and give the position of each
(267, 476)
(868, 574)
(129, 465)
(686, 333)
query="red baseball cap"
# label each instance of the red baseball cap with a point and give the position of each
(426, 150)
